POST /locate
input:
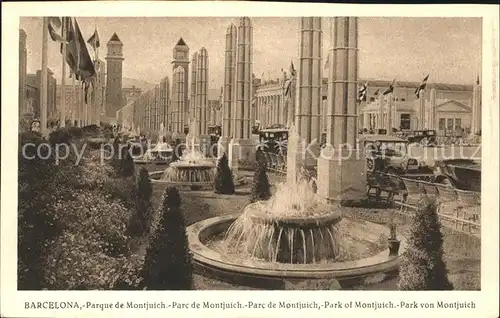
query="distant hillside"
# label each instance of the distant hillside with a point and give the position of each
(129, 82)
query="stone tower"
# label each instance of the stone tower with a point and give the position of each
(181, 58)
(114, 61)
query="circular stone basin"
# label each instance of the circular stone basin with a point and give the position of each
(211, 258)
(286, 239)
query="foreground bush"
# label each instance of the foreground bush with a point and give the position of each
(261, 189)
(141, 219)
(223, 183)
(168, 260)
(127, 163)
(422, 266)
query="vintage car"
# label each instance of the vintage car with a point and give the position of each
(388, 155)
(423, 137)
(464, 174)
(273, 140)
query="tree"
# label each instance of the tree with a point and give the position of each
(261, 189)
(422, 266)
(127, 163)
(223, 183)
(168, 263)
(141, 220)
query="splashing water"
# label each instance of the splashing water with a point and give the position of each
(191, 155)
(193, 167)
(294, 226)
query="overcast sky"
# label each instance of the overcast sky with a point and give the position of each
(407, 48)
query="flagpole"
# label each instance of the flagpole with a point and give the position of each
(63, 79)
(43, 80)
(73, 101)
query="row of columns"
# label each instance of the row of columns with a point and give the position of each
(271, 110)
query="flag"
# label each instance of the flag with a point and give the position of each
(292, 69)
(55, 29)
(85, 70)
(327, 62)
(362, 92)
(422, 86)
(94, 40)
(72, 48)
(477, 80)
(377, 92)
(389, 89)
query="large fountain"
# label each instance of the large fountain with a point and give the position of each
(295, 235)
(192, 170)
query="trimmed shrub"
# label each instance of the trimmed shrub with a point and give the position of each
(127, 163)
(38, 183)
(76, 132)
(422, 266)
(168, 263)
(261, 189)
(140, 222)
(223, 183)
(60, 136)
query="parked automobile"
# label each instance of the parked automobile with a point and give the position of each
(388, 155)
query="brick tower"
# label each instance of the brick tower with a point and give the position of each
(114, 61)
(181, 58)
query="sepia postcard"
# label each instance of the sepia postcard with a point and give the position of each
(249, 159)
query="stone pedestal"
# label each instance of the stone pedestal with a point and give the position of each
(241, 153)
(341, 175)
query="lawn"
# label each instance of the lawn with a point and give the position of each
(462, 252)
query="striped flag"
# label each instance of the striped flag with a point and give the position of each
(389, 89)
(362, 92)
(422, 86)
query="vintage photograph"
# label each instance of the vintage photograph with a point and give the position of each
(250, 153)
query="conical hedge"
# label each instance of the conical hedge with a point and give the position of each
(422, 266)
(168, 263)
(223, 183)
(141, 220)
(261, 189)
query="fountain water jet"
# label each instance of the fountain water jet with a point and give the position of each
(192, 170)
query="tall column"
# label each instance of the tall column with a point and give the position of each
(309, 80)
(43, 80)
(380, 121)
(421, 111)
(178, 100)
(341, 166)
(432, 111)
(192, 99)
(242, 147)
(229, 89)
(389, 113)
(366, 120)
(476, 109)
(22, 72)
(201, 92)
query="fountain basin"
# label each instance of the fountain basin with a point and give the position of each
(213, 263)
(185, 175)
